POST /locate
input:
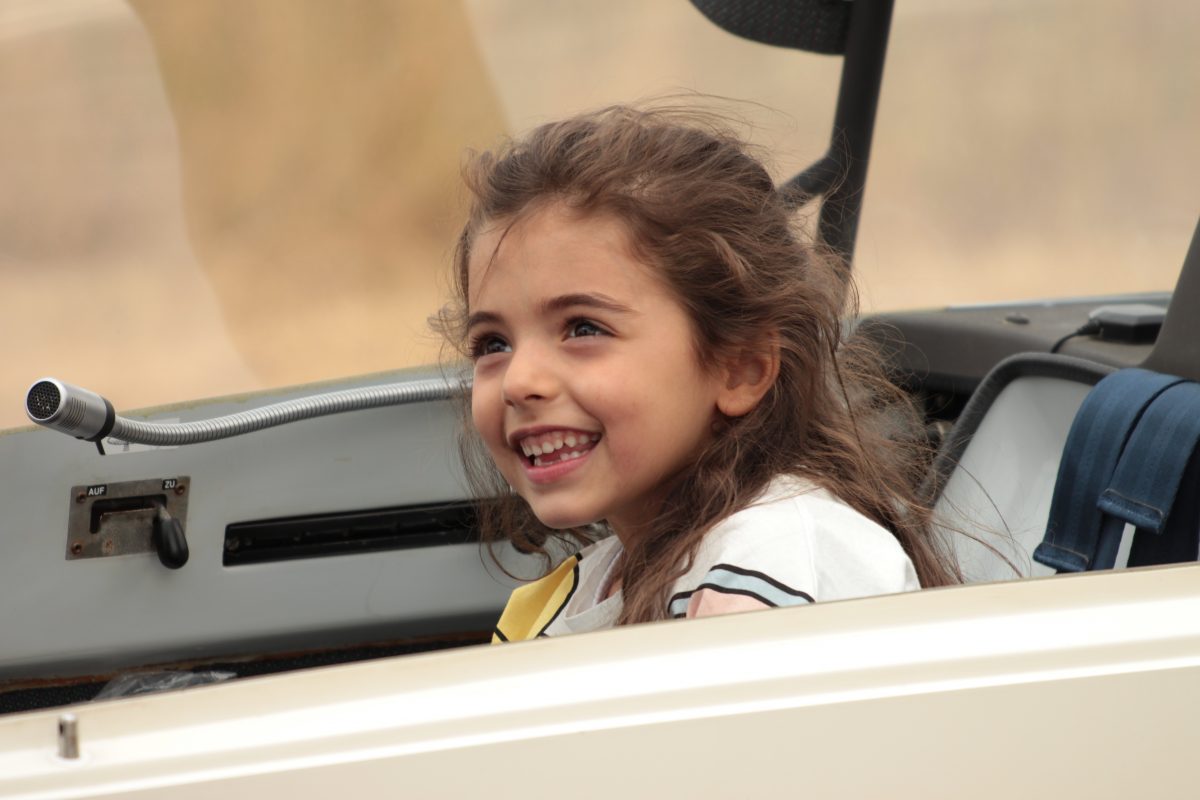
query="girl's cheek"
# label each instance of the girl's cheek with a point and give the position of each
(483, 415)
(487, 415)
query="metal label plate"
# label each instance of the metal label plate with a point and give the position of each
(117, 519)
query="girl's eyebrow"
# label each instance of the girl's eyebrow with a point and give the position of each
(590, 300)
(560, 303)
(483, 318)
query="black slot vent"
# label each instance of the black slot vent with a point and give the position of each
(322, 535)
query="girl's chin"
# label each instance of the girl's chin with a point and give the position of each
(553, 518)
(562, 525)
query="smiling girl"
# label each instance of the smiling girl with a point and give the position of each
(658, 355)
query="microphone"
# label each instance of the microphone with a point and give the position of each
(69, 409)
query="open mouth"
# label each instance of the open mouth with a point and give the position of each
(554, 447)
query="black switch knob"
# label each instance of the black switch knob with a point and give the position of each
(169, 540)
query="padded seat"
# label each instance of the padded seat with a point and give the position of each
(994, 477)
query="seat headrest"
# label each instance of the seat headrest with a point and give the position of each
(1177, 349)
(818, 26)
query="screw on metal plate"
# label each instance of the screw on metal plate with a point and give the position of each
(68, 736)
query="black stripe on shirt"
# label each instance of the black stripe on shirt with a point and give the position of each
(722, 590)
(567, 599)
(749, 573)
(734, 590)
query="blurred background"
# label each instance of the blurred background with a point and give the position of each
(205, 198)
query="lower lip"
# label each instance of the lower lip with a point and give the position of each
(556, 471)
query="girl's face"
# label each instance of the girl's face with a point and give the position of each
(588, 391)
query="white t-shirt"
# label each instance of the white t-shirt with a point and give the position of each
(796, 544)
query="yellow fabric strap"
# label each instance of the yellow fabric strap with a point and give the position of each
(531, 607)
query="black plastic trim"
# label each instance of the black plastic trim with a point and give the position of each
(951, 350)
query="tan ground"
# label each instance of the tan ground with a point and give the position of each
(202, 198)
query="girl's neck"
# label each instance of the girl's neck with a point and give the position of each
(633, 526)
(613, 578)
(626, 532)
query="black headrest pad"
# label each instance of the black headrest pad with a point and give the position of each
(815, 25)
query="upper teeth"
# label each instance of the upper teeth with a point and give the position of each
(549, 442)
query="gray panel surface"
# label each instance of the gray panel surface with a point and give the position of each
(66, 616)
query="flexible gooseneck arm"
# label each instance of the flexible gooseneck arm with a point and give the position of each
(86, 415)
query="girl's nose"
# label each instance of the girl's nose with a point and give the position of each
(529, 378)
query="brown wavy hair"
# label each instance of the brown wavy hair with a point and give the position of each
(701, 208)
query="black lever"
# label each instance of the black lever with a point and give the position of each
(169, 540)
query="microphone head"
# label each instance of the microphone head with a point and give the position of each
(69, 409)
(43, 400)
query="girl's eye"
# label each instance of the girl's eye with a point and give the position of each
(488, 344)
(584, 327)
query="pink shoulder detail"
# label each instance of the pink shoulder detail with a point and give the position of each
(710, 603)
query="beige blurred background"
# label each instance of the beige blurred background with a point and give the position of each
(200, 198)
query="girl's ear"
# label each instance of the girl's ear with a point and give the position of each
(746, 378)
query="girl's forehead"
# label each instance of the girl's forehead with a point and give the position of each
(556, 244)
(548, 223)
